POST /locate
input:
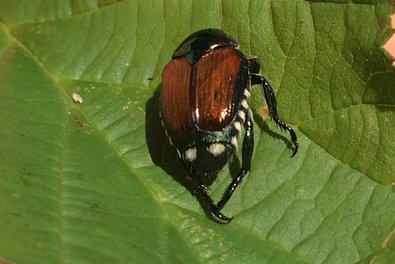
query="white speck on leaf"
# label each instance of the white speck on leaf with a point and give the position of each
(77, 98)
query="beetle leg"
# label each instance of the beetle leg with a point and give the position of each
(272, 105)
(200, 191)
(247, 151)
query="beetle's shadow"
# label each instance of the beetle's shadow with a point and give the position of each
(275, 135)
(160, 150)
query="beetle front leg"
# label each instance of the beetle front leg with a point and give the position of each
(272, 105)
(200, 191)
(247, 151)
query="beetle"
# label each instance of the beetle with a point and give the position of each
(203, 106)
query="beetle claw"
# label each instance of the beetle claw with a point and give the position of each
(221, 218)
(295, 149)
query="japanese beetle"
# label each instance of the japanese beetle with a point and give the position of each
(204, 95)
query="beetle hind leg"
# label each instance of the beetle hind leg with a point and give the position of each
(200, 191)
(247, 151)
(272, 105)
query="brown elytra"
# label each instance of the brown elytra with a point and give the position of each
(201, 94)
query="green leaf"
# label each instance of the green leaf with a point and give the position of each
(97, 182)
